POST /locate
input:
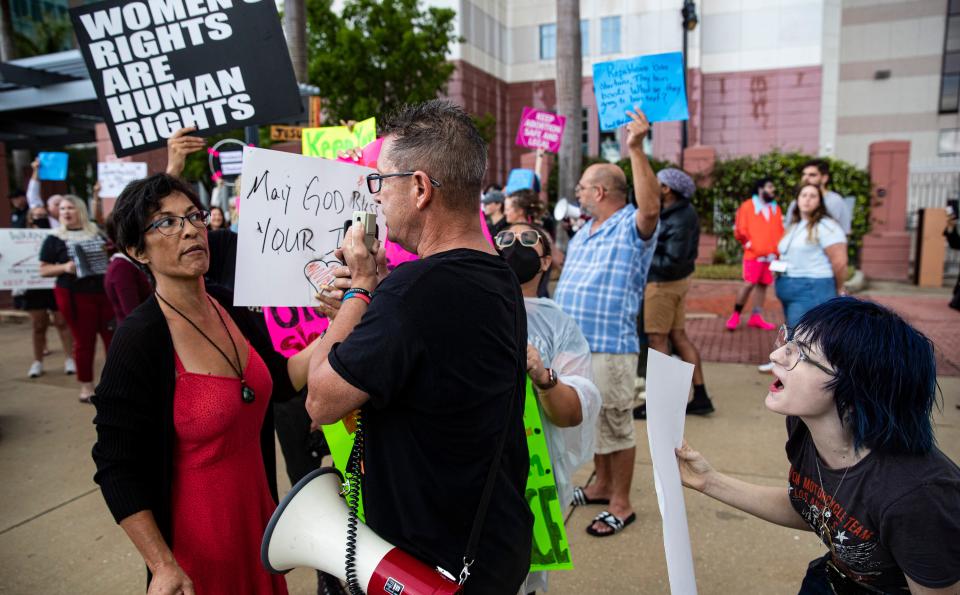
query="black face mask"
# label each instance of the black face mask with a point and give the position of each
(42, 223)
(523, 260)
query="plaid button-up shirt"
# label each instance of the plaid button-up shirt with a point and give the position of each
(602, 282)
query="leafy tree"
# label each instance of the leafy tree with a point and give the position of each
(377, 55)
(50, 34)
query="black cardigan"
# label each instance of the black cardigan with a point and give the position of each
(134, 401)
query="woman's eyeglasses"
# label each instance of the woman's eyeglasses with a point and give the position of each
(528, 238)
(375, 181)
(173, 224)
(793, 352)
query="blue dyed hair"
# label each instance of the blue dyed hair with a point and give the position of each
(886, 381)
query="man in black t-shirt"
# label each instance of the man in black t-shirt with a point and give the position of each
(435, 360)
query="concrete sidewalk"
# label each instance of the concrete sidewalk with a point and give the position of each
(56, 535)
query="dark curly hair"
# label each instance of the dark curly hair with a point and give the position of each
(137, 204)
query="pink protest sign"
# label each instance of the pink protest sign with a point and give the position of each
(292, 329)
(540, 130)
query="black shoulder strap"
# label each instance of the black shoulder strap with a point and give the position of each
(474, 540)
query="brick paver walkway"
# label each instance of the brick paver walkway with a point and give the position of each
(709, 303)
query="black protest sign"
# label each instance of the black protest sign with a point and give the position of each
(161, 65)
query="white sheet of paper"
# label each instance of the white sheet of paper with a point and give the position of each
(115, 175)
(668, 385)
(292, 211)
(20, 259)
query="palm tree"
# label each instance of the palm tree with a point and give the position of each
(569, 101)
(295, 24)
(6, 32)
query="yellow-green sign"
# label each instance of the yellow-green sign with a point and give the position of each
(551, 551)
(328, 140)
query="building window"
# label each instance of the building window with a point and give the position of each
(548, 41)
(610, 35)
(585, 131)
(950, 80)
(584, 37)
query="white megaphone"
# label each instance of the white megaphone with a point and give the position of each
(566, 210)
(309, 529)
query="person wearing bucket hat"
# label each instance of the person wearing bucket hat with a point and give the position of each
(669, 280)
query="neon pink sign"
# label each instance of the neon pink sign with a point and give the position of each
(540, 130)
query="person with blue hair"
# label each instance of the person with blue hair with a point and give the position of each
(858, 385)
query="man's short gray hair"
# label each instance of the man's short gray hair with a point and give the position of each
(440, 138)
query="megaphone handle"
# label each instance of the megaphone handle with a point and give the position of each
(353, 473)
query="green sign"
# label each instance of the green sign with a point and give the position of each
(327, 141)
(551, 551)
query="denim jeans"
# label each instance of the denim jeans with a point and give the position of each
(800, 294)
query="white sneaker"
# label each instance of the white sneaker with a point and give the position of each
(36, 369)
(69, 366)
(766, 368)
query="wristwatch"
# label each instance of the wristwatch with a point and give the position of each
(552, 382)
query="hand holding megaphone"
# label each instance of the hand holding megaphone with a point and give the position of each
(566, 210)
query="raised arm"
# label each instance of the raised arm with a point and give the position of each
(645, 184)
(179, 146)
(766, 502)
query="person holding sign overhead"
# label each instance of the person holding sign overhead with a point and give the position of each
(185, 444)
(601, 287)
(437, 424)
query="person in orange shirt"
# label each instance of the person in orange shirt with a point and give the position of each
(758, 228)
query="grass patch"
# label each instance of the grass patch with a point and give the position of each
(719, 272)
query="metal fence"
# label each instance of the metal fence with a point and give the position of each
(931, 185)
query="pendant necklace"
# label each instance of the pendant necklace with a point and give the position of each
(825, 516)
(246, 393)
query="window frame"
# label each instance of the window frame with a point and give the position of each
(603, 35)
(953, 17)
(546, 27)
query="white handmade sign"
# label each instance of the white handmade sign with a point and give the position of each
(115, 175)
(293, 209)
(20, 259)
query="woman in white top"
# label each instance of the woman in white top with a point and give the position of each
(559, 364)
(814, 253)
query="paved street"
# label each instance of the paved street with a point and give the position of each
(56, 535)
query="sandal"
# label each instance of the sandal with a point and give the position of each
(612, 521)
(580, 498)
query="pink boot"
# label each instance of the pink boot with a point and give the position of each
(734, 321)
(757, 321)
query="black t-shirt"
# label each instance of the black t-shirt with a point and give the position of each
(90, 256)
(442, 354)
(18, 217)
(222, 246)
(892, 515)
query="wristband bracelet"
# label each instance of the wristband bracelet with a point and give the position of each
(355, 294)
(551, 381)
(361, 291)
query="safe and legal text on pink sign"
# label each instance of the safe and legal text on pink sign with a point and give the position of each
(540, 130)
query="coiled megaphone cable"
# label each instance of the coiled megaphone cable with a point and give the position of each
(353, 503)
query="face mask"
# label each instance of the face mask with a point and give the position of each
(523, 260)
(43, 223)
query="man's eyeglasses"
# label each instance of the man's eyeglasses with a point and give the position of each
(793, 352)
(527, 237)
(173, 224)
(375, 181)
(580, 188)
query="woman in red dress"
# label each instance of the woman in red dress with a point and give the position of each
(184, 448)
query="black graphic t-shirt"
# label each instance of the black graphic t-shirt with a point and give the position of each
(891, 515)
(88, 253)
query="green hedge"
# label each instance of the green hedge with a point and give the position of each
(733, 181)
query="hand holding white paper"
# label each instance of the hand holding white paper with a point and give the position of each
(668, 384)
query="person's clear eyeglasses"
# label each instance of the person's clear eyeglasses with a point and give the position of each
(580, 188)
(375, 181)
(173, 224)
(527, 237)
(793, 352)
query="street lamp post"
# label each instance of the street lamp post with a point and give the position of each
(689, 14)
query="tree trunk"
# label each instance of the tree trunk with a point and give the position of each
(6, 32)
(295, 25)
(569, 101)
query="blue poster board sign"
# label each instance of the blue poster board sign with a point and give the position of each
(53, 166)
(520, 179)
(654, 83)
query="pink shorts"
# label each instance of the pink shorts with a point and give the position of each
(757, 272)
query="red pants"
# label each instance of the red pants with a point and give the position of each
(87, 314)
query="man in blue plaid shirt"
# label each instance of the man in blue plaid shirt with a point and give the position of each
(601, 287)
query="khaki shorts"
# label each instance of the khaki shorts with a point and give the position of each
(614, 375)
(663, 306)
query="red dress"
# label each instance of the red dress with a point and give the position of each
(221, 500)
